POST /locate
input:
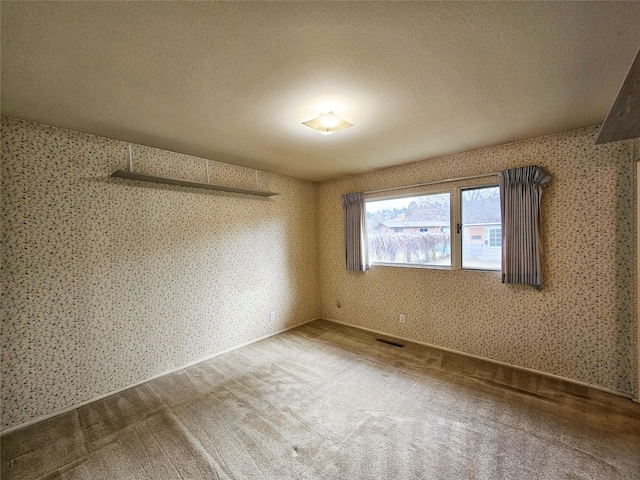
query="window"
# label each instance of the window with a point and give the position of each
(495, 237)
(399, 230)
(416, 231)
(480, 232)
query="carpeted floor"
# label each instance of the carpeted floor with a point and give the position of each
(325, 401)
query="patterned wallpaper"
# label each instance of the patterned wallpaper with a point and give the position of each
(580, 326)
(106, 282)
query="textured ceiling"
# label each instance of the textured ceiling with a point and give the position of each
(232, 81)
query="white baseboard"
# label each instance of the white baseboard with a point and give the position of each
(438, 347)
(167, 372)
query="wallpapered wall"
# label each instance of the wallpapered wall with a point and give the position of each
(107, 282)
(580, 326)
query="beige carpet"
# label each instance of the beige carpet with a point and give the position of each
(329, 402)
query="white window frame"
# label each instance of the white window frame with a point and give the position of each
(455, 219)
(459, 222)
(499, 236)
(411, 195)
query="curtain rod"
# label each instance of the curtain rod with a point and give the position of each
(433, 183)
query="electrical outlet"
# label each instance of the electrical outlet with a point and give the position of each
(402, 318)
(272, 316)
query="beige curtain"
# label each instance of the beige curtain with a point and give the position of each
(355, 232)
(520, 194)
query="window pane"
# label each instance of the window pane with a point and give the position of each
(410, 230)
(481, 231)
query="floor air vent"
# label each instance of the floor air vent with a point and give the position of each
(389, 342)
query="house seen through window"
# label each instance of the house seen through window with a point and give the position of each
(481, 234)
(410, 230)
(420, 230)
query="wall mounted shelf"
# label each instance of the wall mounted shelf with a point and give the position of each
(185, 183)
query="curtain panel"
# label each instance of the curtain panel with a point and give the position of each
(520, 194)
(355, 232)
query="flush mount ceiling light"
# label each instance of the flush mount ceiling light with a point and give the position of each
(327, 123)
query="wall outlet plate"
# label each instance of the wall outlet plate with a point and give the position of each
(402, 318)
(272, 315)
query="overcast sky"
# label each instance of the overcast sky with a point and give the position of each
(374, 206)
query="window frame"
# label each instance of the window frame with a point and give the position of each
(498, 237)
(455, 228)
(410, 195)
(460, 190)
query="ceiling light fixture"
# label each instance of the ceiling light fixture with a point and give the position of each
(327, 123)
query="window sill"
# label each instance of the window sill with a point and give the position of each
(412, 265)
(431, 267)
(487, 270)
